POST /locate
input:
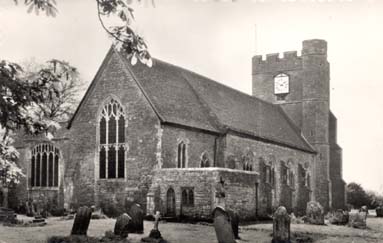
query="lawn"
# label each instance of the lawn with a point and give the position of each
(197, 233)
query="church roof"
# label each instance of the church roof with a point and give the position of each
(185, 98)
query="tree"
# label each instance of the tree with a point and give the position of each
(126, 40)
(69, 88)
(35, 101)
(374, 199)
(356, 195)
(23, 97)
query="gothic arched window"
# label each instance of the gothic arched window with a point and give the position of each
(112, 141)
(205, 162)
(247, 163)
(308, 181)
(187, 197)
(181, 158)
(44, 166)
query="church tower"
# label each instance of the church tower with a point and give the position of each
(300, 86)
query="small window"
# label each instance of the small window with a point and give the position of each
(272, 175)
(181, 158)
(308, 181)
(284, 174)
(205, 162)
(187, 197)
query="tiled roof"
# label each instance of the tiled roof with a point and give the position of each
(185, 98)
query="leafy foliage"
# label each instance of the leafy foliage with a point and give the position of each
(68, 87)
(358, 197)
(31, 102)
(47, 6)
(126, 40)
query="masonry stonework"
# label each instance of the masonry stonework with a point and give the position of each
(141, 133)
(240, 190)
(265, 153)
(307, 105)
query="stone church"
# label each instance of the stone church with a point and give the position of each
(168, 138)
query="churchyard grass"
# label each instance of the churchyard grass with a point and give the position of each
(198, 233)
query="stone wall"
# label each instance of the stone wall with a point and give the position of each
(239, 189)
(142, 140)
(307, 102)
(196, 142)
(273, 155)
(24, 191)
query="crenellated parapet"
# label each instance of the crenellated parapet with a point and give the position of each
(274, 62)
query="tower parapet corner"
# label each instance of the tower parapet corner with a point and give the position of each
(314, 47)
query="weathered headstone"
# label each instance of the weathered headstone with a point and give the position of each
(121, 227)
(358, 220)
(379, 211)
(339, 217)
(29, 207)
(7, 215)
(222, 226)
(137, 222)
(234, 219)
(281, 226)
(81, 221)
(315, 213)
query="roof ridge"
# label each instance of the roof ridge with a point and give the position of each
(151, 104)
(216, 82)
(290, 123)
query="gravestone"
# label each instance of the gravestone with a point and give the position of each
(281, 226)
(234, 219)
(137, 223)
(222, 226)
(339, 217)
(29, 208)
(81, 221)
(379, 211)
(363, 209)
(7, 215)
(358, 220)
(121, 228)
(315, 213)
(155, 234)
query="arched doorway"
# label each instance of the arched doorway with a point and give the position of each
(170, 203)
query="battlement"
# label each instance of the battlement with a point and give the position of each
(277, 61)
(288, 60)
(276, 57)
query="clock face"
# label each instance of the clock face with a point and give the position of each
(281, 84)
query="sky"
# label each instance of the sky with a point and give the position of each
(218, 39)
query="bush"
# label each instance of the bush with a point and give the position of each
(112, 210)
(58, 212)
